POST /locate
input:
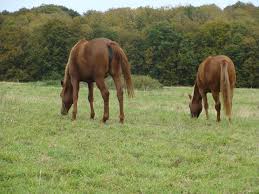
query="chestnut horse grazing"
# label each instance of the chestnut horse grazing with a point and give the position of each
(215, 74)
(92, 61)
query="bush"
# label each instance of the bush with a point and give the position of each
(140, 82)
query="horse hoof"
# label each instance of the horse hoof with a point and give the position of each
(121, 120)
(104, 120)
(92, 116)
(73, 116)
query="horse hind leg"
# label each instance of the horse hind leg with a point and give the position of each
(105, 94)
(206, 106)
(117, 82)
(217, 104)
(91, 98)
(75, 84)
(205, 103)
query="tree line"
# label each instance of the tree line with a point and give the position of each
(167, 43)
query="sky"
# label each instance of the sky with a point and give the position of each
(82, 6)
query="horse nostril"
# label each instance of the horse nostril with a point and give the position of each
(63, 111)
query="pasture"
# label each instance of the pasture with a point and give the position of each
(159, 149)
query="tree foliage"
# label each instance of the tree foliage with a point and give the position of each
(166, 43)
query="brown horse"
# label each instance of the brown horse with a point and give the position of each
(92, 61)
(215, 74)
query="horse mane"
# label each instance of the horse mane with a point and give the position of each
(66, 76)
(196, 96)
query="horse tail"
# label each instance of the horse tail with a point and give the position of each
(225, 89)
(125, 66)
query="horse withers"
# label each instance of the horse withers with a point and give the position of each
(92, 61)
(216, 74)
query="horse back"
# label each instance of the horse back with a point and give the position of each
(90, 59)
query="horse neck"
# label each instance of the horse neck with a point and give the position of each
(196, 94)
(67, 79)
(68, 84)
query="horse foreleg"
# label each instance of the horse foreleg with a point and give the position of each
(75, 84)
(119, 89)
(91, 98)
(105, 94)
(217, 104)
(205, 103)
(206, 106)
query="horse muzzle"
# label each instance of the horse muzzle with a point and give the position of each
(63, 110)
(194, 115)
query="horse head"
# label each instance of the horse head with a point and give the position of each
(66, 97)
(195, 107)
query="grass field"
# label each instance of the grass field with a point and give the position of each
(159, 149)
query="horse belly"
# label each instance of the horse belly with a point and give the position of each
(85, 72)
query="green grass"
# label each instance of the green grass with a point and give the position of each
(159, 149)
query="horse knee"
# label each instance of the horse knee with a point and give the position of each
(90, 98)
(120, 93)
(218, 106)
(106, 94)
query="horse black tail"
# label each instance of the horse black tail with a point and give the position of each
(125, 66)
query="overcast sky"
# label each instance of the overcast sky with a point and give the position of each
(82, 6)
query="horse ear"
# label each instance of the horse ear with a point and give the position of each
(62, 83)
(190, 96)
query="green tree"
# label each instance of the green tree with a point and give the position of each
(163, 43)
